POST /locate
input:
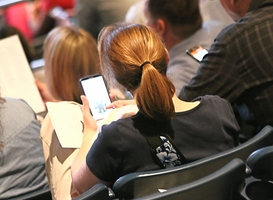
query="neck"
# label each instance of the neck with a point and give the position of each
(182, 106)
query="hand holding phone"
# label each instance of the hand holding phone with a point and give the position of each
(197, 52)
(97, 94)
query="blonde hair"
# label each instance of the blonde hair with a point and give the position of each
(70, 53)
(135, 57)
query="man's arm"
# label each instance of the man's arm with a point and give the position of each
(217, 75)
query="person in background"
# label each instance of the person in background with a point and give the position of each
(19, 15)
(70, 53)
(35, 18)
(135, 13)
(134, 56)
(180, 25)
(6, 31)
(22, 164)
(213, 10)
(238, 66)
(92, 15)
(47, 20)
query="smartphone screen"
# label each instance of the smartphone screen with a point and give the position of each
(96, 92)
(197, 52)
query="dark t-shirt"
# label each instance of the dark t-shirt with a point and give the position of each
(121, 148)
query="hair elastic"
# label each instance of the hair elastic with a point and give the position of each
(146, 62)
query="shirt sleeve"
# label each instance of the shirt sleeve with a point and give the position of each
(217, 75)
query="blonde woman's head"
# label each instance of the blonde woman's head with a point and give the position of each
(69, 53)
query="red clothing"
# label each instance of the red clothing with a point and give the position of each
(16, 15)
(47, 5)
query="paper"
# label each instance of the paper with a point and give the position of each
(4, 3)
(16, 78)
(67, 121)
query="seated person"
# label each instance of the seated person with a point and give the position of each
(23, 23)
(135, 57)
(181, 26)
(36, 17)
(135, 13)
(48, 20)
(92, 15)
(62, 84)
(62, 75)
(243, 76)
(22, 164)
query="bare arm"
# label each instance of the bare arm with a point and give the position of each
(82, 178)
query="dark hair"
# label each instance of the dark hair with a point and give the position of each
(6, 31)
(177, 13)
(134, 56)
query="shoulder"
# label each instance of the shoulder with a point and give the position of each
(122, 130)
(119, 124)
(18, 117)
(210, 30)
(214, 101)
(218, 108)
(249, 23)
(17, 111)
(117, 129)
(17, 104)
(212, 27)
(214, 98)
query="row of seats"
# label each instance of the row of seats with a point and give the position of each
(221, 176)
(238, 173)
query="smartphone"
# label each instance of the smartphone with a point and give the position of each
(96, 92)
(197, 52)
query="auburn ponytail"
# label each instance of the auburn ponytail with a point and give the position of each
(154, 94)
(134, 56)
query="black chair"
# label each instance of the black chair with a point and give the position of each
(224, 184)
(139, 184)
(260, 185)
(97, 192)
(42, 194)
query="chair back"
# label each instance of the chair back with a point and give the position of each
(97, 192)
(260, 163)
(225, 184)
(141, 184)
(259, 182)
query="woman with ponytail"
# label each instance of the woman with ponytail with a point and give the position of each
(132, 56)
